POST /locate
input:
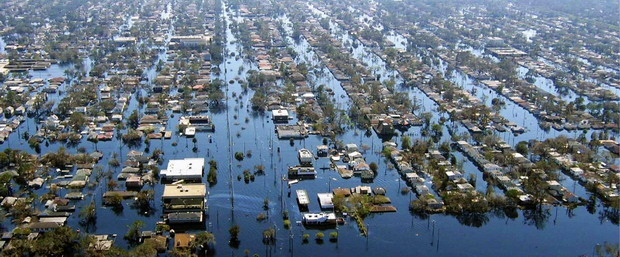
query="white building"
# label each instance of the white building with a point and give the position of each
(186, 169)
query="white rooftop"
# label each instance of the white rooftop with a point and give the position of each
(185, 168)
(280, 112)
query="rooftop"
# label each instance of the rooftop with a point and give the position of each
(185, 191)
(185, 167)
(183, 240)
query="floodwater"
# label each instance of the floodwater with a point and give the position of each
(553, 232)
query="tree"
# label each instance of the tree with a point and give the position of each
(134, 120)
(239, 156)
(234, 232)
(374, 167)
(77, 120)
(537, 188)
(89, 215)
(5, 184)
(204, 242)
(133, 234)
(58, 242)
(144, 200)
(320, 236)
(112, 185)
(212, 176)
(522, 148)
(115, 200)
(148, 248)
(58, 159)
(406, 143)
(437, 130)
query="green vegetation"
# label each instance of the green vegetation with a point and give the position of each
(261, 216)
(133, 234)
(333, 236)
(239, 156)
(59, 242)
(358, 206)
(212, 175)
(234, 231)
(319, 236)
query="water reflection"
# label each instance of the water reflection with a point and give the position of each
(537, 217)
(473, 219)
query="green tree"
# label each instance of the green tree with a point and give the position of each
(204, 242)
(89, 214)
(406, 143)
(133, 234)
(5, 184)
(239, 156)
(522, 148)
(134, 120)
(374, 167)
(234, 231)
(77, 120)
(144, 200)
(212, 176)
(58, 242)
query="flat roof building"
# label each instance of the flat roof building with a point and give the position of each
(184, 191)
(325, 200)
(184, 203)
(191, 169)
(280, 116)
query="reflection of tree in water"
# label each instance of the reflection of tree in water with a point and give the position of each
(591, 206)
(505, 212)
(511, 212)
(419, 214)
(609, 213)
(537, 217)
(473, 219)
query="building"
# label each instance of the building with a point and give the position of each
(305, 157)
(199, 123)
(183, 240)
(184, 203)
(495, 42)
(325, 200)
(133, 182)
(279, 116)
(302, 199)
(124, 41)
(190, 41)
(189, 169)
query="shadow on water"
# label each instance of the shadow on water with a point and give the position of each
(537, 217)
(473, 219)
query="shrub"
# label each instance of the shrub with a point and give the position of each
(320, 235)
(239, 156)
(261, 217)
(333, 236)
